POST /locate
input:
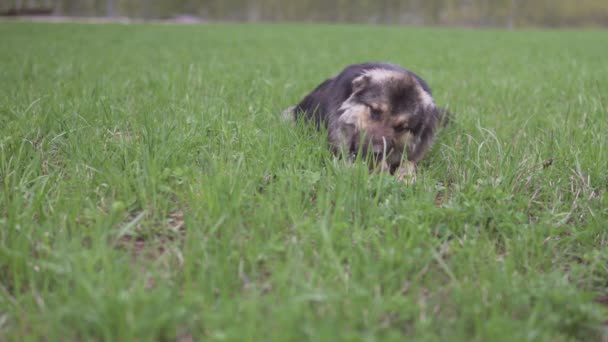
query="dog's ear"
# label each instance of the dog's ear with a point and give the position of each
(360, 83)
(425, 133)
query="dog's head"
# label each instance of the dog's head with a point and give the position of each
(384, 115)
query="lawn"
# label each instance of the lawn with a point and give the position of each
(150, 191)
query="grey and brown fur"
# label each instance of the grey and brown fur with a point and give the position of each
(378, 109)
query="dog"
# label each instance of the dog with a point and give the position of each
(378, 110)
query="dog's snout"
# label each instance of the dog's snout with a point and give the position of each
(382, 145)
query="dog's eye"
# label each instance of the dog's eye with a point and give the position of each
(401, 128)
(376, 114)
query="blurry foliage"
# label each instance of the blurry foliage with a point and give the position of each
(509, 13)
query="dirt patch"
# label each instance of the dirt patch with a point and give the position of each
(153, 243)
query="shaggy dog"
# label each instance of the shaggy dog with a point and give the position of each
(378, 110)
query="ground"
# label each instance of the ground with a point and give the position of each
(150, 190)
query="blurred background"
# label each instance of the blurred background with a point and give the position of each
(474, 13)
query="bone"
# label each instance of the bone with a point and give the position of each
(406, 173)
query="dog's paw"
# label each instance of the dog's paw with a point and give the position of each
(288, 114)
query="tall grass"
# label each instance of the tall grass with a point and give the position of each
(149, 189)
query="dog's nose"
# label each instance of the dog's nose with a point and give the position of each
(382, 146)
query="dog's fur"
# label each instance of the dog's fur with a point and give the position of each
(377, 109)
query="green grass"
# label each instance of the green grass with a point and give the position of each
(148, 189)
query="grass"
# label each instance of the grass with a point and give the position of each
(148, 190)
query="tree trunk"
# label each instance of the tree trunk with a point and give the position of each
(109, 8)
(512, 15)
